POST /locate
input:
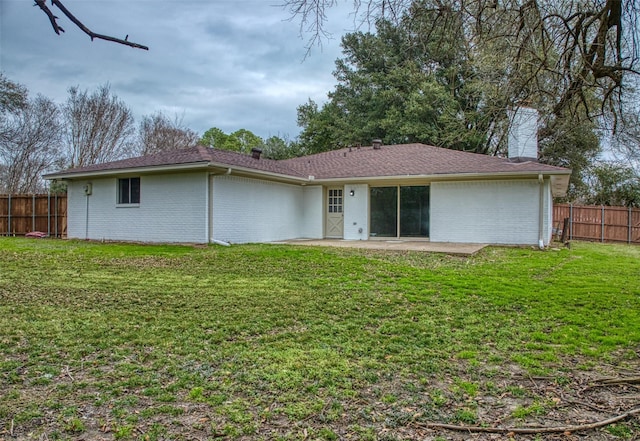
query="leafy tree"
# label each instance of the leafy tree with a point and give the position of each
(239, 141)
(281, 148)
(614, 184)
(243, 141)
(322, 130)
(574, 144)
(99, 127)
(214, 138)
(158, 133)
(392, 88)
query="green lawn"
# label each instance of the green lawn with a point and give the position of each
(123, 341)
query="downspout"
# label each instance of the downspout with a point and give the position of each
(541, 213)
(208, 208)
(86, 219)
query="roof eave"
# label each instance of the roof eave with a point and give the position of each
(248, 171)
(69, 176)
(448, 176)
(201, 165)
(559, 179)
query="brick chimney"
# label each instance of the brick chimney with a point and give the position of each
(256, 152)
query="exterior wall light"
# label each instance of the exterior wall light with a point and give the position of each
(352, 192)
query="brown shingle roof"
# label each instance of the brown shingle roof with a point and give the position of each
(392, 160)
(198, 155)
(407, 160)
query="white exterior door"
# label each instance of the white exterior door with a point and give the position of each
(335, 214)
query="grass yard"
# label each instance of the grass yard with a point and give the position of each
(149, 342)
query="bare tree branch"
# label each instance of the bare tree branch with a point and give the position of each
(52, 18)
(57, 28)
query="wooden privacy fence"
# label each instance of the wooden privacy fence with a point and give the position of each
(22, 214)
(599, 223)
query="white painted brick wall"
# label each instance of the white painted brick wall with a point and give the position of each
(356, 212)
(75, 210)
(497, 212)
(312, 212)
(251, 210)
(173, 208)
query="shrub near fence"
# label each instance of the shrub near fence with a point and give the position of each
(22, 214)
(599, 223)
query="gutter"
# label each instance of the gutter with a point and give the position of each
(445, 177)
(505, 174)
(122, 171)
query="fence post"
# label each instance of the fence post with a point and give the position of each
(48, 213)
(565, 227)
(570, 221)
(602, 224)
(56, 214)
(629, 225)
(9, 218)
(33, 212)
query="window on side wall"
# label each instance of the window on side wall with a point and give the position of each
(129, 191)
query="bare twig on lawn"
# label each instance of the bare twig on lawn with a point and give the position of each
(533, 430)
(57, 28)
(68, 372)
(619, 380)
(583, 403)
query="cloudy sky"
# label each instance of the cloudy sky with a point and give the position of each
(215, 63)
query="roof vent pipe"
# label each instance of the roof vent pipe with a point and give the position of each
(256, 152)
(377, 143)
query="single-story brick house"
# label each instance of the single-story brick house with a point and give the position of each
(414, 191)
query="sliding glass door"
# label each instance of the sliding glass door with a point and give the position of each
(399, 211)
(384, 211)
(414, 211)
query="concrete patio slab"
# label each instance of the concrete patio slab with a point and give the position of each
(465, 249)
